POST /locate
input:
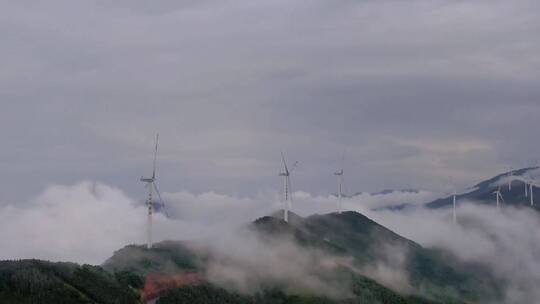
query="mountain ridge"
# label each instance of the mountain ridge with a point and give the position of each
(346, 235)
(483, 192)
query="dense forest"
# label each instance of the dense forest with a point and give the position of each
(365, 292)
(33, 281)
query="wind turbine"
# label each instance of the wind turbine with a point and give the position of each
(151, 186)
(340, 177)
(498, 196)
(454, 211)
(531, 193)
(511, 174)
(286, 187)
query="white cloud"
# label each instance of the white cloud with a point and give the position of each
(86, 222)
(82, 223)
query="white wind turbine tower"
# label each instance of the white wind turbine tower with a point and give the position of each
(151, 186)
(530, 181)
(498, 196)
(511, 174)
(531, 193)
(454, 211)
(530, 184)
(286, 187)
(340, 177)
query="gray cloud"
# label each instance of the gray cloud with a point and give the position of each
(85, 85)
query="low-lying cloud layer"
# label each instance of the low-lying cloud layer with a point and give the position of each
(87, 221)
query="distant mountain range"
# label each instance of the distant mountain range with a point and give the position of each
(385, 191)
(483, 192)
(389, 191)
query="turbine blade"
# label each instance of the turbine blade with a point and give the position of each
(155, 157)
(284, 163)
(161, 200)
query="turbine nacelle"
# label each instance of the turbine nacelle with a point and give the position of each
(147, 179)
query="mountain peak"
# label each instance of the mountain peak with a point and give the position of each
(294, 218)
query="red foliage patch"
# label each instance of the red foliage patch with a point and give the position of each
(156, 284)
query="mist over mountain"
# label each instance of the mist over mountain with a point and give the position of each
(325, 255)
(266, 258)
(496, 242)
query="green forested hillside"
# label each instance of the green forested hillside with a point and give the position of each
(433, 274)
(33, 281)
(366, 291)
(166, 257)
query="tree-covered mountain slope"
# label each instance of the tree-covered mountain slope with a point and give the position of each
(34, 281)
(359, 248)
(433, 273)
(365, 290)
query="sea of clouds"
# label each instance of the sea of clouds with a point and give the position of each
(86, 222)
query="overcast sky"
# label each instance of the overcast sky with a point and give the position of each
(420, 94)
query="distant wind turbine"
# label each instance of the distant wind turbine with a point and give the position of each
(511, 174)
(340, 177)
(454, 211)
(531, 193)
(530, 184)
(286, 187)
(498, 195)
(151, 185)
